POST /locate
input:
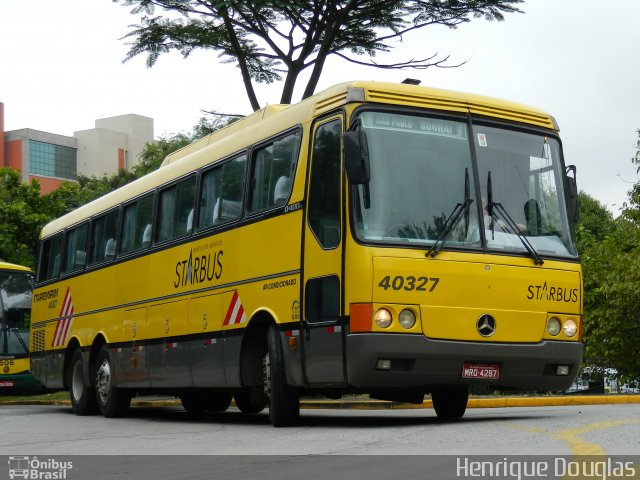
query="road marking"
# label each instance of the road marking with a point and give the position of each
(571, 437)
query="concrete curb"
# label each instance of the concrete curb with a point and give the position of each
(499, 402)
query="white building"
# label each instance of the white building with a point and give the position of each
(113, 144)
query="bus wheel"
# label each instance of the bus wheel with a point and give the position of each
(206, 402)
(450, 404)
(83, 398)
(112, 401)
(248, 404)
(284, 402)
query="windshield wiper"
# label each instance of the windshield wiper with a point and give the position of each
(491, 205)
(452, 221)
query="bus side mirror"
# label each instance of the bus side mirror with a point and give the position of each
(356, 157)
(572, 191)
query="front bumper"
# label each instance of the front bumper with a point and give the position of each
(420, 363)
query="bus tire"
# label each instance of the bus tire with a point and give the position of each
(205, 402)
(83, 398)
(112, 401)
(284, 401)
(247, 403)
(451, 403)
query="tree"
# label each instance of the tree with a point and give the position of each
(272, 39)
(596, 222)
(611, 269)
(153, 154)
(631, 210)
(610, 255)
(22, 215)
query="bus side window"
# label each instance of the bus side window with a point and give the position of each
(51, 258)
(222, 192)
(176, 207)
(136, 217)
(273, 166)
(76, 249)
(103, 237)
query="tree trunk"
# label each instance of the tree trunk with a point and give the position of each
(289, 84)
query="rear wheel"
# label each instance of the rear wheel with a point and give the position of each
(284, 401)
(450, 403)
(194, 402)
(248, 403)
(83, 397)
(112, 401)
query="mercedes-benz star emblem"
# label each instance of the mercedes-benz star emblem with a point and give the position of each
(486, 325)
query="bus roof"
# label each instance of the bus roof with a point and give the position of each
(12, 266)
(254, 128)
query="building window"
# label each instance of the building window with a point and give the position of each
(52, 160)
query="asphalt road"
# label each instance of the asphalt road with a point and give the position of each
(559, 430)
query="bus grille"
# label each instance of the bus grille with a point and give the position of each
(37, 340)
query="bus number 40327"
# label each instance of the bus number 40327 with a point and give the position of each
(409, 283)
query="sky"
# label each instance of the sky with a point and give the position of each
(61, 69)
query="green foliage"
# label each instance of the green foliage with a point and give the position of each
(272, 40)
(611, 269)
(596, 222)
(631, 210)
(610, 254)
(22, 215)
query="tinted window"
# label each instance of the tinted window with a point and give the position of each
(136, 225)
(222, 193)
(273, 166)
(176, 210)
(103, 237)
(51, 259)
(324, 188)
(76, 249)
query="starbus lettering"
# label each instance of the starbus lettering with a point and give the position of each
(552, 293)
(199, 269)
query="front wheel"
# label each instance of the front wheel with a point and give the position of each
(450, 403)
(284, 401)
(112, 401)
(83, 398)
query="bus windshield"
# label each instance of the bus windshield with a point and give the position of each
(15, 312)
(422, 175)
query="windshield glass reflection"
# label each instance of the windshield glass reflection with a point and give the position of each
(15, 312)
(527, 180)
(419, 174)
(420, 192)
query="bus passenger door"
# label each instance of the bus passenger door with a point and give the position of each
(322, 332)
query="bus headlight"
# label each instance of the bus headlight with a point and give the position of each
(554, 326)
(383, 318)
(407, 318)
(570, 328)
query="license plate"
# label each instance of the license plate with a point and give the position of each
(489, 372)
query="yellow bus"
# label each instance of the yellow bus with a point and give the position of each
(376, 238)
(16, 284)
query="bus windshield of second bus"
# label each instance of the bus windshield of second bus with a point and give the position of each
(15, 313)
(398, 206)
(16, 285)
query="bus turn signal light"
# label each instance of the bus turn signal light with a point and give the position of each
(360, 315)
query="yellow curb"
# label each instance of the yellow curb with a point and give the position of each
(501, 402)
(551, 401)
